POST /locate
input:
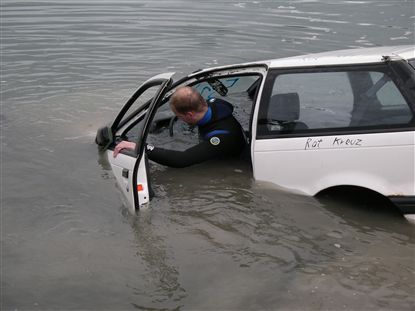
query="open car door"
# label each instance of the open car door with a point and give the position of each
(132, 123)
(139, 123)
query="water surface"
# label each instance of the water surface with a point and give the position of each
(213, 239)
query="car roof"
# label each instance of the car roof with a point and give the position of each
(336, 57)
(347, 57)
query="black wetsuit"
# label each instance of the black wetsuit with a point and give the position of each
(220, 133)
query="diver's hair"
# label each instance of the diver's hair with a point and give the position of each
(187, 99)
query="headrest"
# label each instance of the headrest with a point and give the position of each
(284, 107)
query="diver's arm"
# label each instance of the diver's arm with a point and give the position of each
(196, 154)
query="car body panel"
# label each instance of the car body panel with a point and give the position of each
(122, 168)
(381, 162)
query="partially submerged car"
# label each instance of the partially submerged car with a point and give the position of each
(313, 122)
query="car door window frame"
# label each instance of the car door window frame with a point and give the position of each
(389, 69)
(126, 123)
(259, 69)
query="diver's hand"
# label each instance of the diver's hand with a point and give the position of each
(123, 145)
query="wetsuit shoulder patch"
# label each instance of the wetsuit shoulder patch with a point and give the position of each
(215, 140)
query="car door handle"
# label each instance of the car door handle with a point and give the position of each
(125, 173)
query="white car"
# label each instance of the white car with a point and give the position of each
(314, 123)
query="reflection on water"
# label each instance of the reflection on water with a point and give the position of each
(213, 238)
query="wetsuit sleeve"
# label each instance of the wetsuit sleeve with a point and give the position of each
(203, 151)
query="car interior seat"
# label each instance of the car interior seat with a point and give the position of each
(284, 113)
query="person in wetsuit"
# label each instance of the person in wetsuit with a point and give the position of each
(220, 133)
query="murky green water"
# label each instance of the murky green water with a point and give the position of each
(213, 239)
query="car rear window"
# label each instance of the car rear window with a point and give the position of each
(319, 100)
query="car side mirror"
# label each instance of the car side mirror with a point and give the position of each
(104, 138)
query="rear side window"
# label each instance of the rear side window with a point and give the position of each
(327, 101)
